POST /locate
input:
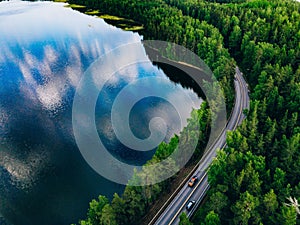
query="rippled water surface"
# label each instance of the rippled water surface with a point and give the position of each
(45, 49)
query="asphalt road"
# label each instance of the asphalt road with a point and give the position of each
(172, 212)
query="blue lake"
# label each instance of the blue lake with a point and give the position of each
(45, 49)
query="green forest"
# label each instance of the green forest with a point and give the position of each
(256, 178)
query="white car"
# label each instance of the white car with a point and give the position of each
(190, 205)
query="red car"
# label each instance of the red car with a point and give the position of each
(193, 181)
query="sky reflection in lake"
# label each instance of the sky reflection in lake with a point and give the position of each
(44, 51)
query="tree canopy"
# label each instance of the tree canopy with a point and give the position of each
(252, 179)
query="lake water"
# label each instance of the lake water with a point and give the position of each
(45, 49)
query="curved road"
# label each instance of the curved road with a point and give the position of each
(172, 212)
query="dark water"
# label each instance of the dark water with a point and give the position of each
(45, 49)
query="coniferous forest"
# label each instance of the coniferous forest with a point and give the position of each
(256, 178)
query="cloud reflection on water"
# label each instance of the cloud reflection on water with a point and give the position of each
(44, 51)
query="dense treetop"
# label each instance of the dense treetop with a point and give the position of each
(252, 179)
